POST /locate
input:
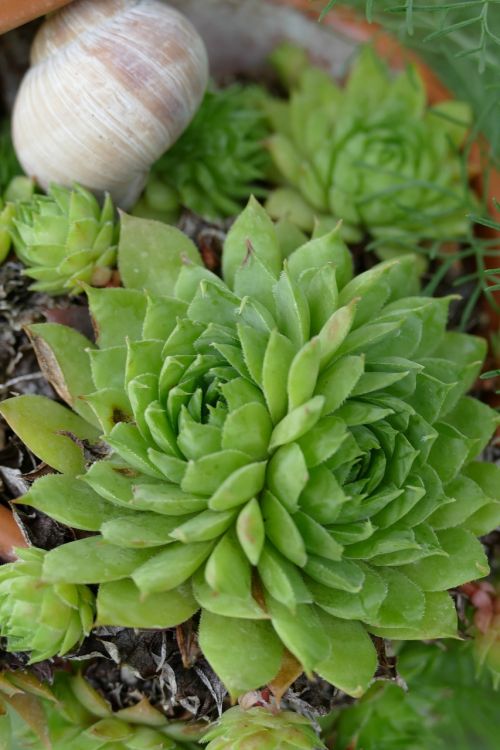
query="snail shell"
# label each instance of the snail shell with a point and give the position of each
(113, 84)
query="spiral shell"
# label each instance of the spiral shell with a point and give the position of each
(113, 84)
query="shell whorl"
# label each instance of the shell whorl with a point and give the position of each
(113, 84)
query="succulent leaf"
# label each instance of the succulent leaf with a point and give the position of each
(52, 432)
(166, 248)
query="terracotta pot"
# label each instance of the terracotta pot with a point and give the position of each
(16, 12)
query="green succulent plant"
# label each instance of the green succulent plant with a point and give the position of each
(78, 717)
(372, 153)
(65, 239)
(291, 451)
(38, 617)
(259, 729)
(443, 707)
(216, 164)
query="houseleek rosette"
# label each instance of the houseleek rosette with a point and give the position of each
(240, 729)
(65, 239)
(291, 451)
(217, 163)
(42, 618)
(78, 717)
(372, 153)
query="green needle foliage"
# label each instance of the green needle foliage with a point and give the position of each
(444, 707)
(39, 617)
(216, 164)
(473, 25)
(65, 239)
(291, 450)
(79, 718)
(258, 728)
(372, 153)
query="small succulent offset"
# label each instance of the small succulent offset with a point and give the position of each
(40, 617)
(372, 153)
(65, 239)
(217, 163)
(78, 717)
(259, 729)
(291, 451)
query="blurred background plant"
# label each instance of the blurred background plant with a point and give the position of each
(440, 703)
(458, 39)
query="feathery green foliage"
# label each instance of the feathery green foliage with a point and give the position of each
(65, 239)
(473, 25)
(372, 153)
(292, 451)
(240, 729)
(216, 164)
(39, 617)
